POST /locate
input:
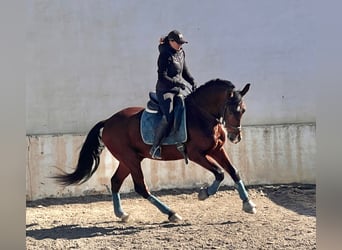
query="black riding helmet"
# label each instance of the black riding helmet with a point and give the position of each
(176, 36)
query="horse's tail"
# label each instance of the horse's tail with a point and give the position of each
(88, 160)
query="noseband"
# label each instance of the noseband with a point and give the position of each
(236, 129)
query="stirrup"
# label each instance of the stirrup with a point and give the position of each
(181, 148)
(155, 152)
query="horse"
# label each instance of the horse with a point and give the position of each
(214, 111)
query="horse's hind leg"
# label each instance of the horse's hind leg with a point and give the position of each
(140, 188)
(120, 175)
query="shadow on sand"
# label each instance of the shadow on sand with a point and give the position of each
(296, 197)
(75, 231)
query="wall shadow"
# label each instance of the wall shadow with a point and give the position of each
(104, 197)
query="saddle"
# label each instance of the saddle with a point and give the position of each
(151, 117)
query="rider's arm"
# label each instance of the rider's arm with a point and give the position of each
(186, 74)
(164, 60)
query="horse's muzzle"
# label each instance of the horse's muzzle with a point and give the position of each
(234, 138)
(234, 133)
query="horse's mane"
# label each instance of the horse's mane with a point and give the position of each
(214, 83)
(218, 82)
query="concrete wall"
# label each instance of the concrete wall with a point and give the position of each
(86, 60)
(267, 154)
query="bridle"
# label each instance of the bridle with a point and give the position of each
(236, 129)
(227, 108)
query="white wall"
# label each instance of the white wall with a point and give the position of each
(88, 59)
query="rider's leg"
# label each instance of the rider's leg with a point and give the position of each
(158, 137)
(166, 106)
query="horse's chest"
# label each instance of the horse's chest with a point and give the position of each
(219, 135)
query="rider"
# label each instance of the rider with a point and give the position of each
(172, 71)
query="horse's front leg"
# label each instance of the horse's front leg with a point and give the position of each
(210, 165)
(222, 158)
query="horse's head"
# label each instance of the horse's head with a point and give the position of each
(218, 101)
(234, 110)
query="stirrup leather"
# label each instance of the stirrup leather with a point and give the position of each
(181, 148)
(155, 152)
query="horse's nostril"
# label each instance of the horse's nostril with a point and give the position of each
(231, 137)
(234, 138)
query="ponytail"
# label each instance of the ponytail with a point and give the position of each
(162, 40)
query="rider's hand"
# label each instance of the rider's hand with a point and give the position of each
(194, 87)
(181, 85)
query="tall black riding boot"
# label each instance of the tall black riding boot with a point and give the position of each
(160, 133)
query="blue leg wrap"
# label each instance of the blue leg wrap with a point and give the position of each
(242, 190)
(214, 187)
(161, 206)
(117, 205)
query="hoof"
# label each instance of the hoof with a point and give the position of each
(175, 218)
(249, 207)
(203, 194)
(124, 217)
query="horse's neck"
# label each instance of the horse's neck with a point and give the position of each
(211, 103)
(207, 109)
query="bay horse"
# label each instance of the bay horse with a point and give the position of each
(214, 111)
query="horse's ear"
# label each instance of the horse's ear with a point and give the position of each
(245, 89)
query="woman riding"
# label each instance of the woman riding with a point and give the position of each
(172, 71)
